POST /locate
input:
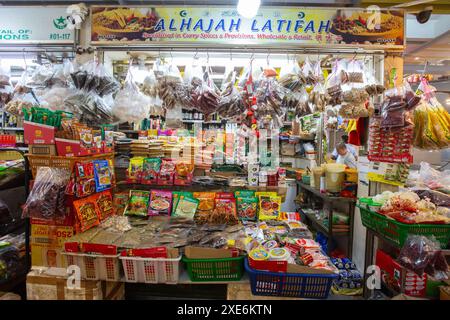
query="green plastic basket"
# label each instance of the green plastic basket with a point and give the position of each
(225, 269)
(397, 232)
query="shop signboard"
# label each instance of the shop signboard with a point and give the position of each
(24, 25)
(291, 26)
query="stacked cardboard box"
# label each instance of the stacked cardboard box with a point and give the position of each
(53, 284)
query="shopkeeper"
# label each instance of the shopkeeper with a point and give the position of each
(345, 156)
(350, 148)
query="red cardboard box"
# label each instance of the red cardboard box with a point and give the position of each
(398, 278)
(68, 148)
(36, 133)
(71, 148)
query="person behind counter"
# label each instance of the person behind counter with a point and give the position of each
(350, 148)
(345, 156)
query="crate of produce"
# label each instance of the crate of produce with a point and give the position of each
(223, 269)
(37, 161)
(294, 285)
(397, 232)
(151, 270)
(95, 266)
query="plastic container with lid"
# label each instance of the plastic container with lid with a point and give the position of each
(351, 175)
(317, 173)
(279, 254)
(271, 244)
(335, 176)
(259, 254)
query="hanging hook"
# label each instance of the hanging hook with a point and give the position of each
(207, 57)
(267, 58)
(231, 55)
(196, 54)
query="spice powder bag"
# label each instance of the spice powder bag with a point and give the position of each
(176, 197)
(138, 203)
(85, 179)
(206, 205)
(244, 194)
(269, 207)
(247, 208)
(135, 168)
(87, 213)
(120, 202)
(104, 204)
(150, 170)
(102, 172)
(160, 203)
(186, 207)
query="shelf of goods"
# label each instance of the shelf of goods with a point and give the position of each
(399, 231)
(330, 229)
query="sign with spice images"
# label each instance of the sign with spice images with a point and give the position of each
(272, 25)
(34, 25)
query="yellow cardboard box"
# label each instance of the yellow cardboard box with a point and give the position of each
(47, 242)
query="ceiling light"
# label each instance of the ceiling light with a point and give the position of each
(416, 58)
(447, 102)
(248, 8)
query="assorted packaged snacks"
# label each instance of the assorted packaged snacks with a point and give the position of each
(431, 121)
(45, 116)
(47, 197)
(389, 145)
(102, 173)
(160, 202)
(137, 203)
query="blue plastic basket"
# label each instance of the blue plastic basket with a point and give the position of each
(295, 285)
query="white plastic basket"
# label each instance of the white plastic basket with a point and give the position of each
(151, 270)
(95, 266)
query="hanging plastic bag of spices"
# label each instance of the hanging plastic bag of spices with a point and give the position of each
(130, 104)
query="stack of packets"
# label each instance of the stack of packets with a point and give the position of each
(159, 171)
(89, 187)
(139, 148)
(285, 240)
(350, 280)
(203, 207)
